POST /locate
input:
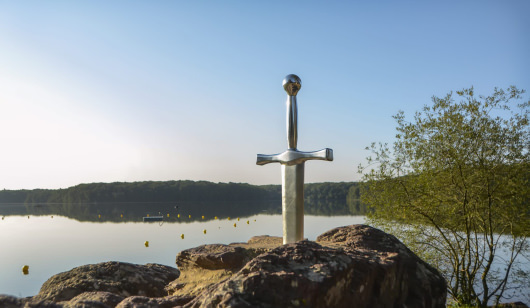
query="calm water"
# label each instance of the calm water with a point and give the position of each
(53, 245)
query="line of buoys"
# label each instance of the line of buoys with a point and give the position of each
(25, 269)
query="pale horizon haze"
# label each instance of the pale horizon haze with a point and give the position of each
(107, 91)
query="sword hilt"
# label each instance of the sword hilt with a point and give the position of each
(292, 156)
(292, 85)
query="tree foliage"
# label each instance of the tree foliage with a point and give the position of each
(454, 187)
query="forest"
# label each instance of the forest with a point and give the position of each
(320, 198)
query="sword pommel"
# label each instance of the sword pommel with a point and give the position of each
(292, 84)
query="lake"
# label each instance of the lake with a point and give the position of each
(55, 238)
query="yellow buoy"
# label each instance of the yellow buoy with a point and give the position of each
(178, 215)
(25, 269)
(182, 236)
(52, 216)
(254, 220)
(99, 216)
(213, 218)
(147, 215)
(204, 231)
(202, 216)
(167, 214)
(248, 222)
(228, 218)
(146, 243)
(235, 225)
(238, 219)
(121, 215)
(189, 216)
(28, 217)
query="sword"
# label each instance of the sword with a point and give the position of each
(292, 163)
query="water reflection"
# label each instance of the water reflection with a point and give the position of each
(174, 212)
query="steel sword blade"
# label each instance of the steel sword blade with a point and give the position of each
(293, 203)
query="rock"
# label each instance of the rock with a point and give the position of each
(392, 275)
(95, 299)
(7, 301)
(350, 266)
(206, 265)
(212, 257)
(230, 257)
(295, 274)
(10, 301)
(123, 279)
(161, 302)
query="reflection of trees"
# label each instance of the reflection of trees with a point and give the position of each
(134, 212)
(136, 200)
(334, 207)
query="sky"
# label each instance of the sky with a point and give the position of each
(107, 91)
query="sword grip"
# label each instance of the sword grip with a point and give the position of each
(291, 85)
(292, 126)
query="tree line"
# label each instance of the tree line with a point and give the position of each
(320, 198)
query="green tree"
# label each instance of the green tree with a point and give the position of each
(455, 188)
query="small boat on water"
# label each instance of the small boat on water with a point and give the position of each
(153, 218)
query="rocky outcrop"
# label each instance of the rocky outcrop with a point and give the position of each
(354, 266)
(119, 278)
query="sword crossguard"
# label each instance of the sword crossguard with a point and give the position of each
(294, 157)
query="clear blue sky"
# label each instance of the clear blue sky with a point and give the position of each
(103, 91)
